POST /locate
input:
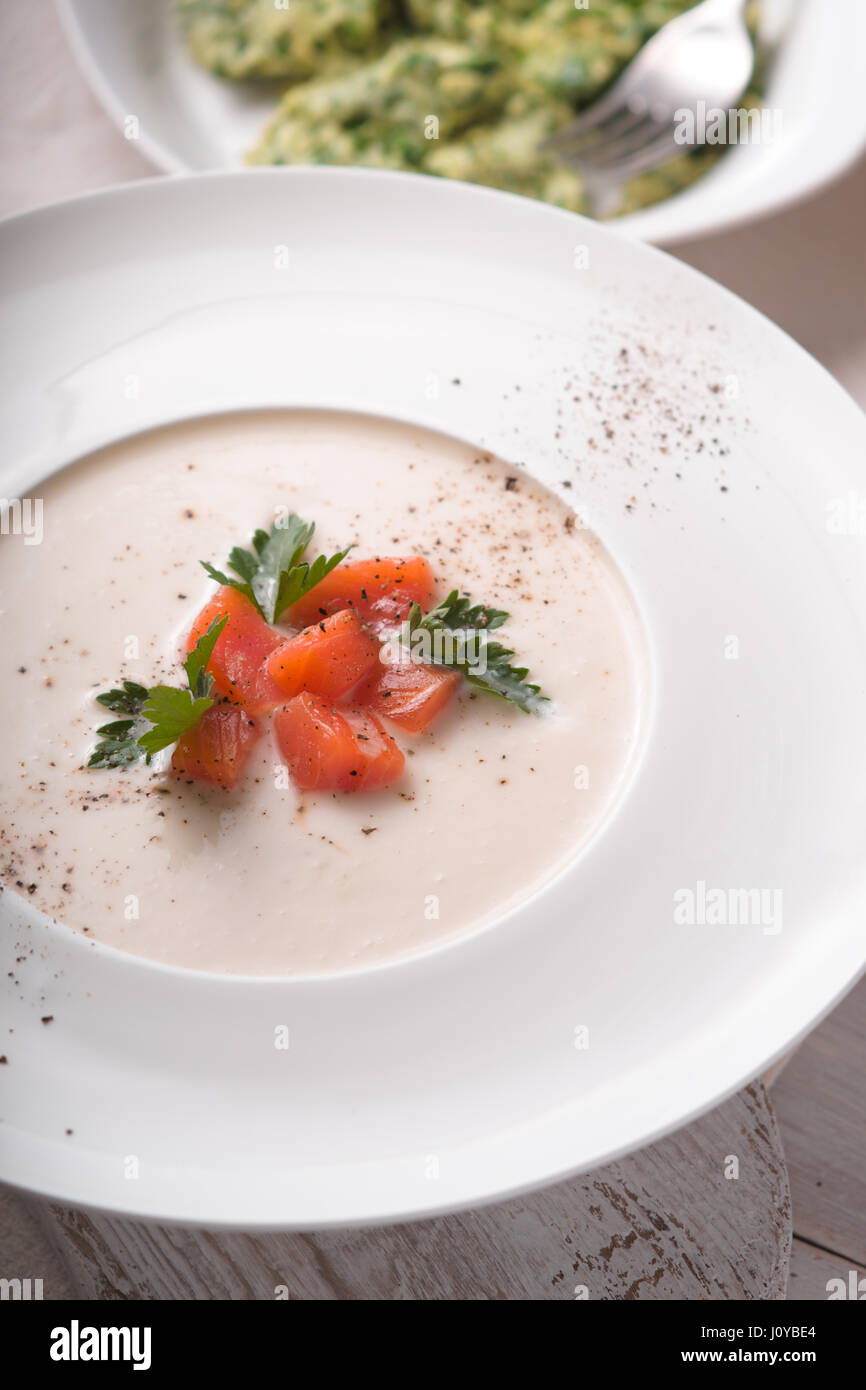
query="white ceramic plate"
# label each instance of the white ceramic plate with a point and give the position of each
(135, 59)
(454, 1078)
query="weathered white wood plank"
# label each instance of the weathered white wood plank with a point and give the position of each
(25, 1253)
(665, 1223)
(820, 1102)
(812, 1269)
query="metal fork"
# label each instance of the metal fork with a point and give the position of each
(704, 55)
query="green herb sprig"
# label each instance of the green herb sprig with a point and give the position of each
(274, 574)
(171, 711)
(486, 664)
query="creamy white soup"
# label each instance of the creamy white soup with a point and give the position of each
(265, 879)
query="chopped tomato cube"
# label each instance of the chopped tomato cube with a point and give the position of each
(335, 750)
(218, 748)
(328, 658)
(382, 591)
(411, 693)
(237, 664)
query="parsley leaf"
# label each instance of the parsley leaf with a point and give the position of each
(457, 612)
(486, 664)
(118, 747)
(128, 700)
(274, 574)
(199, 678)
(169, 710)
(171, 713)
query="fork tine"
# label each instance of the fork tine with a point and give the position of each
(617, 128)
(649, 131)
(576, 134)
(596, 114)
(623, 139)
(649, 156)
(627, 93)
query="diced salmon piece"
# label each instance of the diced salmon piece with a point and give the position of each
(381, 590)
(411, 693)
(327, 658)
(335, 750)
(217, 750)
(266, 694)
(237, 664)
(385, 761)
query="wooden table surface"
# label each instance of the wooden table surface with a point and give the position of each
(804, 270)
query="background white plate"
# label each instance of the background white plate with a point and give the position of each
(453, 1079)
(134, 58)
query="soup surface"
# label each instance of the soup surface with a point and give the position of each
(266, 880)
